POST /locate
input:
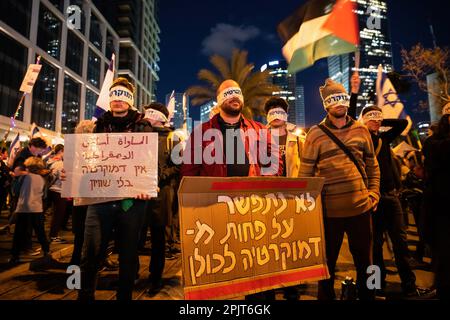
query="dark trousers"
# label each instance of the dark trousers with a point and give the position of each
(59, 212)
(3, 196)
(158, 258)
(359, 233)
(78, 221)
(22, 234)
(101, 220)
(157, 221)
(441, 252)
(389, 217)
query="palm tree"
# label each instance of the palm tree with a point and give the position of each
(256, 86)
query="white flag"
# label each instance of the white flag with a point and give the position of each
(103, 99)
(171, 105)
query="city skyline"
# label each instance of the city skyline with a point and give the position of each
(182, 57)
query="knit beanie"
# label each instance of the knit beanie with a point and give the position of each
(334, 94)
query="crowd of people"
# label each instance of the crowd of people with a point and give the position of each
(367, 194)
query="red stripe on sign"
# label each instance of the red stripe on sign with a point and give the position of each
(245, 185)
(252, 284)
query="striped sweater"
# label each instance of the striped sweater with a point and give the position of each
(345, 193)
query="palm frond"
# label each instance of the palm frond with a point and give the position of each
(222, 65)
(208, 76)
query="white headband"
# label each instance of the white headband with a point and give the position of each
(228, 93)
(121, 93)
(372, 115)
(156, 115)
(341, 99)
(446, 109)
(276, 114)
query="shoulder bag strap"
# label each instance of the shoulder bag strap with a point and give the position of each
(344, 148)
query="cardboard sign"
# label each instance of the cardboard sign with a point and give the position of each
(30, 78)
(246, 235)
(110, 165)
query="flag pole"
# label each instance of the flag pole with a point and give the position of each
(16, 113)
(19, 106)
(185, 112)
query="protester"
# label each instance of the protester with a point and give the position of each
(160, 208)
(231, 102)
(389, 214)
(436, 150)
(79, 209)
(126, 216)
(35, 148)
(5, 179)
(55, 164)
(228, 124)
(290, 140)
(290, 144)
(30, 208)
(351, 190)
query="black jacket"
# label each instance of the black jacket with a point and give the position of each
(390, 177)
(437, 160)
(132, 122)
(167, 170)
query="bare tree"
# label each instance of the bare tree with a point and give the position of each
(420, 62)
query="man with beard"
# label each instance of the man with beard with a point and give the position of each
(341, 150)
(237, 157)
(231, 124)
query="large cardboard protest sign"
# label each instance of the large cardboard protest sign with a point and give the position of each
(247, 235)
(110, 165)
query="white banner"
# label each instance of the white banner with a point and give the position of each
(110, 165)
(30, 78)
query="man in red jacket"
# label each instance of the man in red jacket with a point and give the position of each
(229, 145)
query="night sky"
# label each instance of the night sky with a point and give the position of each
(193, 30)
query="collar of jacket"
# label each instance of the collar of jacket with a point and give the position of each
(215, 122)
(330, 124)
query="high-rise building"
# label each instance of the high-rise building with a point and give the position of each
(136, 24)
(205, 110)
(289, 91)
(375, 49)
(74, 63)
(300, 119)
(179, 116)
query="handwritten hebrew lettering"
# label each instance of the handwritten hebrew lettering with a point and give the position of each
(275, 250)
(242, 204)
(269, 199)
(289, 227)
(228, 201)
(259, 225)
(202, 229)
(277, 226)
(202, 261)
(302, 247)
(248, 260)
(285, 254)
(247, 227)
(231, 226)
(231, 255)
(283, 204)
(316, 242)
(262, 252)
(221, 260)
(257, 203)
(97, 184)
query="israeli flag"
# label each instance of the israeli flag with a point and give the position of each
(102, 104)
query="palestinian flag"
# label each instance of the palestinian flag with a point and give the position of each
(319, 29)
